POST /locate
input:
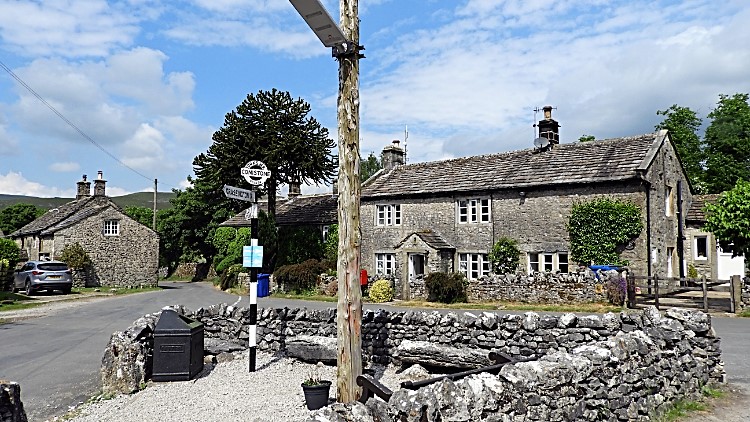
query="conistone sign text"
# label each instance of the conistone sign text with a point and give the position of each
(255, 172)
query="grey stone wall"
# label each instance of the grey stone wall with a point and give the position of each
(130, 259)
(11, 406)
(597, 367)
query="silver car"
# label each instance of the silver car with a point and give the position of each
(36, 276)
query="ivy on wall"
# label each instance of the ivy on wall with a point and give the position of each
(599, 228)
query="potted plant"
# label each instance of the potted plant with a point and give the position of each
(316, 391)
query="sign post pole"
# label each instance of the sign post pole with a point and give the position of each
(253, 289)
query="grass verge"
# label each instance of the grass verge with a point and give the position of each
(683, 408)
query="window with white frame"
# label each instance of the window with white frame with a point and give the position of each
(670, 257)
(388, 215)
(547, 262)
(700, 246)
(385, 263)
(111, 227)
(473, 210)
(473, 265)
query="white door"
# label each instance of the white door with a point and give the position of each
(727, 266)
(416, 265)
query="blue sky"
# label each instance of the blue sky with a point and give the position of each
(150, 80)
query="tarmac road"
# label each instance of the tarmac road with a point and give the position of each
(56, 358)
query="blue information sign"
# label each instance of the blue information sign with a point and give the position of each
(252, 256)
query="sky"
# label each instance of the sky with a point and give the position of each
(145, 83)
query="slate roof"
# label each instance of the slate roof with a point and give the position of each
(306, 209)
(65, 215)
(695, 213)
(584, 162)
(432, 239)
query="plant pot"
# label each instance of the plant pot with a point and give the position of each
(316, 396)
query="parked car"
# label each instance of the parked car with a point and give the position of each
(36, 276)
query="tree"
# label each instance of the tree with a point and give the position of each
(683, 125)
(18, 215)
(727, 143)
(298, 244)
(729, 219)
(142, 215)
(369, 167)
(228, 242)
(587, 138)
(271, 127)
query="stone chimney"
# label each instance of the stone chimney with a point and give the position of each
(295, 190)
(99, 184)
(548, 127)
(84, 188)
(392, 156)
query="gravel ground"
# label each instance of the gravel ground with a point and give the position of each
(224, 392)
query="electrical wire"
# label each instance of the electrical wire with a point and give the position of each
(71, 124)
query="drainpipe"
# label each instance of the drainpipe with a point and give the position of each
(680, 233)
(648, 228)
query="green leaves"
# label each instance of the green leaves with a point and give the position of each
(504, 256)
(16, 216)
(683, 125)
(729, 218)
(599, 227)
(727, 143)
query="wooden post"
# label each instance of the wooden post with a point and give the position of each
(705, 293)
(349, 308)
(656, 291)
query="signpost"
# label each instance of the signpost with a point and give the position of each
(256, 173)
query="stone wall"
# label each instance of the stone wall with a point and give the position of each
(11, 406)
(583, 287)
(596, 367)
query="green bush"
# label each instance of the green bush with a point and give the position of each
(692, 272)
(446, 287)
(381, 291)
(504, 256)
(10, 251)
(331, 244)
(228, 278)
(298, 244)
(299, 278)
(75, 256)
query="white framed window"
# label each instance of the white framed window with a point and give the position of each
(473, 265)
(388, 215)
(700, 248)
(670, 257)
(547, 262)
(474, 210)
(385, 263)
(111, 227)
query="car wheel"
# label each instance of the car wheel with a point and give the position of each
(66, 290)
(28, 288)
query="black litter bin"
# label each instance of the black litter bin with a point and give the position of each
(178, 347)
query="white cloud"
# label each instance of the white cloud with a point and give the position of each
(68, 28)
(64, 167)
(14, 183)
(144, 150)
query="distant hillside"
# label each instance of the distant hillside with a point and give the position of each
(138, 199)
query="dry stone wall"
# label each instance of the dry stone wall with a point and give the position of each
(612, 367)
(11, 406)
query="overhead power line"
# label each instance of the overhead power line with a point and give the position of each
(71, 124)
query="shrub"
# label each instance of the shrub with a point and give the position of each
(617, 290)
(75, 256)
(9, 250)
(692, 272)
(381, 291)
(331, 243)
(446, 288)
(299, 278)
(504, 256)
(229, 276)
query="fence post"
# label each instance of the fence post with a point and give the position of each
(630, 283)
(705, 292)
(656, 291)
(735, 284)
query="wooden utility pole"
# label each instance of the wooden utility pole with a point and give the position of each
(349, 309)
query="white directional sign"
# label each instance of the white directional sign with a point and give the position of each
(255, 172)
(238, 193)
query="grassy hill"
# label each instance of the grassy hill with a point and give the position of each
(138, 199)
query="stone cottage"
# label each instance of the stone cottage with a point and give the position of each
(702, 250)
(123, 251)
(447, 215)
